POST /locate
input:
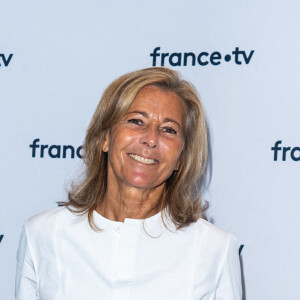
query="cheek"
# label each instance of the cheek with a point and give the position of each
(120, 139)
(172, 151)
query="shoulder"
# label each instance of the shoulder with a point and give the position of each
(44, 230)
(47, 221)
(218, 240)
(211, 231)
(48, 216)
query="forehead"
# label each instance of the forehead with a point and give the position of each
(154, 100)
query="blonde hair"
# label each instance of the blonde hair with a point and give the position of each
(181, 196)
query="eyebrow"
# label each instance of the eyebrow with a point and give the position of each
(146, 116)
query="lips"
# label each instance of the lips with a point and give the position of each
(143, 160)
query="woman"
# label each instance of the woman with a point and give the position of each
(134, 227)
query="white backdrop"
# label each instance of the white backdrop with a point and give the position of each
(64, 53)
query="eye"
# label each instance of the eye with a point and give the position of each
(169, 130)
(136, 121)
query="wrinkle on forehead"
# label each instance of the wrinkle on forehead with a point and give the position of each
(149, 96)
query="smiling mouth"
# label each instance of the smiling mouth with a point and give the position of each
(147, 161)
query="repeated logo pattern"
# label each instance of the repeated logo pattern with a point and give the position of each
(237, 56)
(285, 153)
(5, 59)
(54, 151)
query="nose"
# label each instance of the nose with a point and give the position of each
(150, 137)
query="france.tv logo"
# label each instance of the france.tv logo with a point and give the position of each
(284, 153)
(237, 56)
(5, 59)
(54, 151)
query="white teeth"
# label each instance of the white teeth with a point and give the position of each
(142, 159)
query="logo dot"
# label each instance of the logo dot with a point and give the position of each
(227, 57)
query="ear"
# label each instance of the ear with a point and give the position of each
(105, 143)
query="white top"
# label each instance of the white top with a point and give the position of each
(61, 257)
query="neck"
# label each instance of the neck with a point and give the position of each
(129, 202)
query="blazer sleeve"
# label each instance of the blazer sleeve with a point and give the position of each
(26, 281)
(229, 285)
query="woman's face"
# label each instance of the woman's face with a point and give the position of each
(145, 146)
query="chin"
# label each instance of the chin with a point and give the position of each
(142, 185)
(142, 182)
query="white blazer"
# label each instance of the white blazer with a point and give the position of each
(61, 258)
